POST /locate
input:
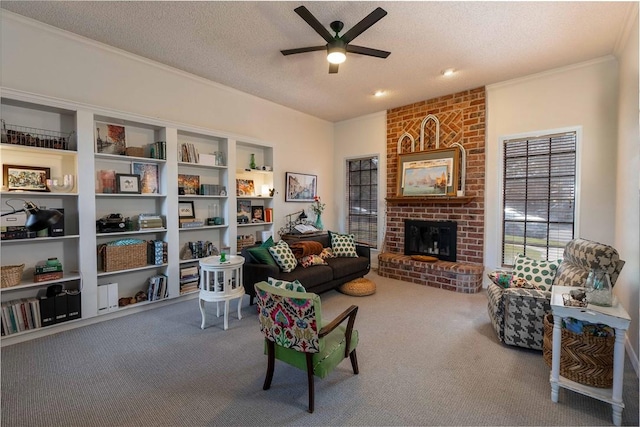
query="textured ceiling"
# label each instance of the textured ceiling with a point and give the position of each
(238, 44)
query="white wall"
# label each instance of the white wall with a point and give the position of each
(47, 61)
(359, 137)
(627, 236)
(583, 96)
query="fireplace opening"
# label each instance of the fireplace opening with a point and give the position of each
(434, 238)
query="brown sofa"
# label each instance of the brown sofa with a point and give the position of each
(316, 279)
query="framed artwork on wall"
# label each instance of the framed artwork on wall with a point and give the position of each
(428, 173)
(300, 187)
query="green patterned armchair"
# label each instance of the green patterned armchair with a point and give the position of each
(517, 313)
(295, 334)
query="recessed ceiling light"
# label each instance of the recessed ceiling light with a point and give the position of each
(448, 72)
(379, 93)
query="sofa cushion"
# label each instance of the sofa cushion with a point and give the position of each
(283, 256)
(308, 277)
(295, 286)
(261, 253)
(345, 266)
(343, 245)
(540, 273)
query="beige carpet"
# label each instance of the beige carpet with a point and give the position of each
(426, 357)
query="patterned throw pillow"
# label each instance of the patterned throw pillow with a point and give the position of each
(344, 245)
(327, 253)
(283, 256)
(501, 278)
(295, 286)
(261, 253)
(539, 273)
(519, 282)
(311, 260)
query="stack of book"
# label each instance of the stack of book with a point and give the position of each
(188, 153)
(191, 223)
(31, 313)
(157, 288)
(48, 270)
(158, 150)
(149, 221)
(189, 278)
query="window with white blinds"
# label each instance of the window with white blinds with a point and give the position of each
(538, 196)
(362, 199)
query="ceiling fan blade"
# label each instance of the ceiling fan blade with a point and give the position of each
(333, 68)
(302, 50)
(314, 23)
(361, 26)
(367, 51)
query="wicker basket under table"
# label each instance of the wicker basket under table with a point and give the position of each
(584, 358)
(123, 257)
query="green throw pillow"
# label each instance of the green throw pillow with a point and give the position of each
(285, 259)
(295, 286)
(539, 273)
(343, 245)
(261, 253)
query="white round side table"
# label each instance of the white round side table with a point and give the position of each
(221, 281)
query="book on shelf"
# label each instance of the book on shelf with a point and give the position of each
(157, 287)
(268, 214)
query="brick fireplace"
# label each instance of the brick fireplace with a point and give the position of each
(462, 121)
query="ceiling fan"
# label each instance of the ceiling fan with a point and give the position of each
(337, 46)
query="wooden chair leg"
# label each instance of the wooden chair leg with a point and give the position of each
(354, 361)
(271, 357)
(310, 380)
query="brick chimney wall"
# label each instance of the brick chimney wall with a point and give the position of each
(462, 120)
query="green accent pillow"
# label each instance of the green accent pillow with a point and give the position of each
(261, 253)
(284, 257)
(343, 245)
(539, 273)
(295, 286)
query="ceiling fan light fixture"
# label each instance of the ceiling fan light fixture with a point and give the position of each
(448, 72)
(379, 93)
(337, 55)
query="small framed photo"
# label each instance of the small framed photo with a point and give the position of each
(257, 213)
(300, 187)
(25, 178)
(127, 184)
(110, 138)
(186, 210)
(148, 173)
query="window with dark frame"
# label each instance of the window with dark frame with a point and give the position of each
(362, 200)
(539, 183)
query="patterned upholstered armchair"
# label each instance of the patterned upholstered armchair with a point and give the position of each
(295, 334)
(517, 313)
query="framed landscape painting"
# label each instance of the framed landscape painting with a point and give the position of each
(300, 187)
(110, 138)
(428, 173)
(25, 178)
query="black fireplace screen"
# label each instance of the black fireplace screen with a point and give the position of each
(435, 238)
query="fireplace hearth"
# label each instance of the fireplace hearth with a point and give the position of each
(433, 238)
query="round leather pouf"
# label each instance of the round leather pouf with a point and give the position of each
(358, 288)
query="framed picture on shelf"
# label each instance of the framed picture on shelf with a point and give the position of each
(110, 138)
(257, 213)
(25, 178)
(300, 187)
(186, 210)
(148, 173)
(106, 181)
(127, 184)
(428, 173)
(188, 184)
(244, 211)
(245, 187)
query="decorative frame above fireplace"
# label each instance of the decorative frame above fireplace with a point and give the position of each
(428, 173)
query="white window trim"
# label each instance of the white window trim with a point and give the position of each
(500, 175)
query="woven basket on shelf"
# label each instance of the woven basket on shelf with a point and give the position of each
(11, 275)
(584, 358)
(123, 257)
(245, 241)
(134, 151)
